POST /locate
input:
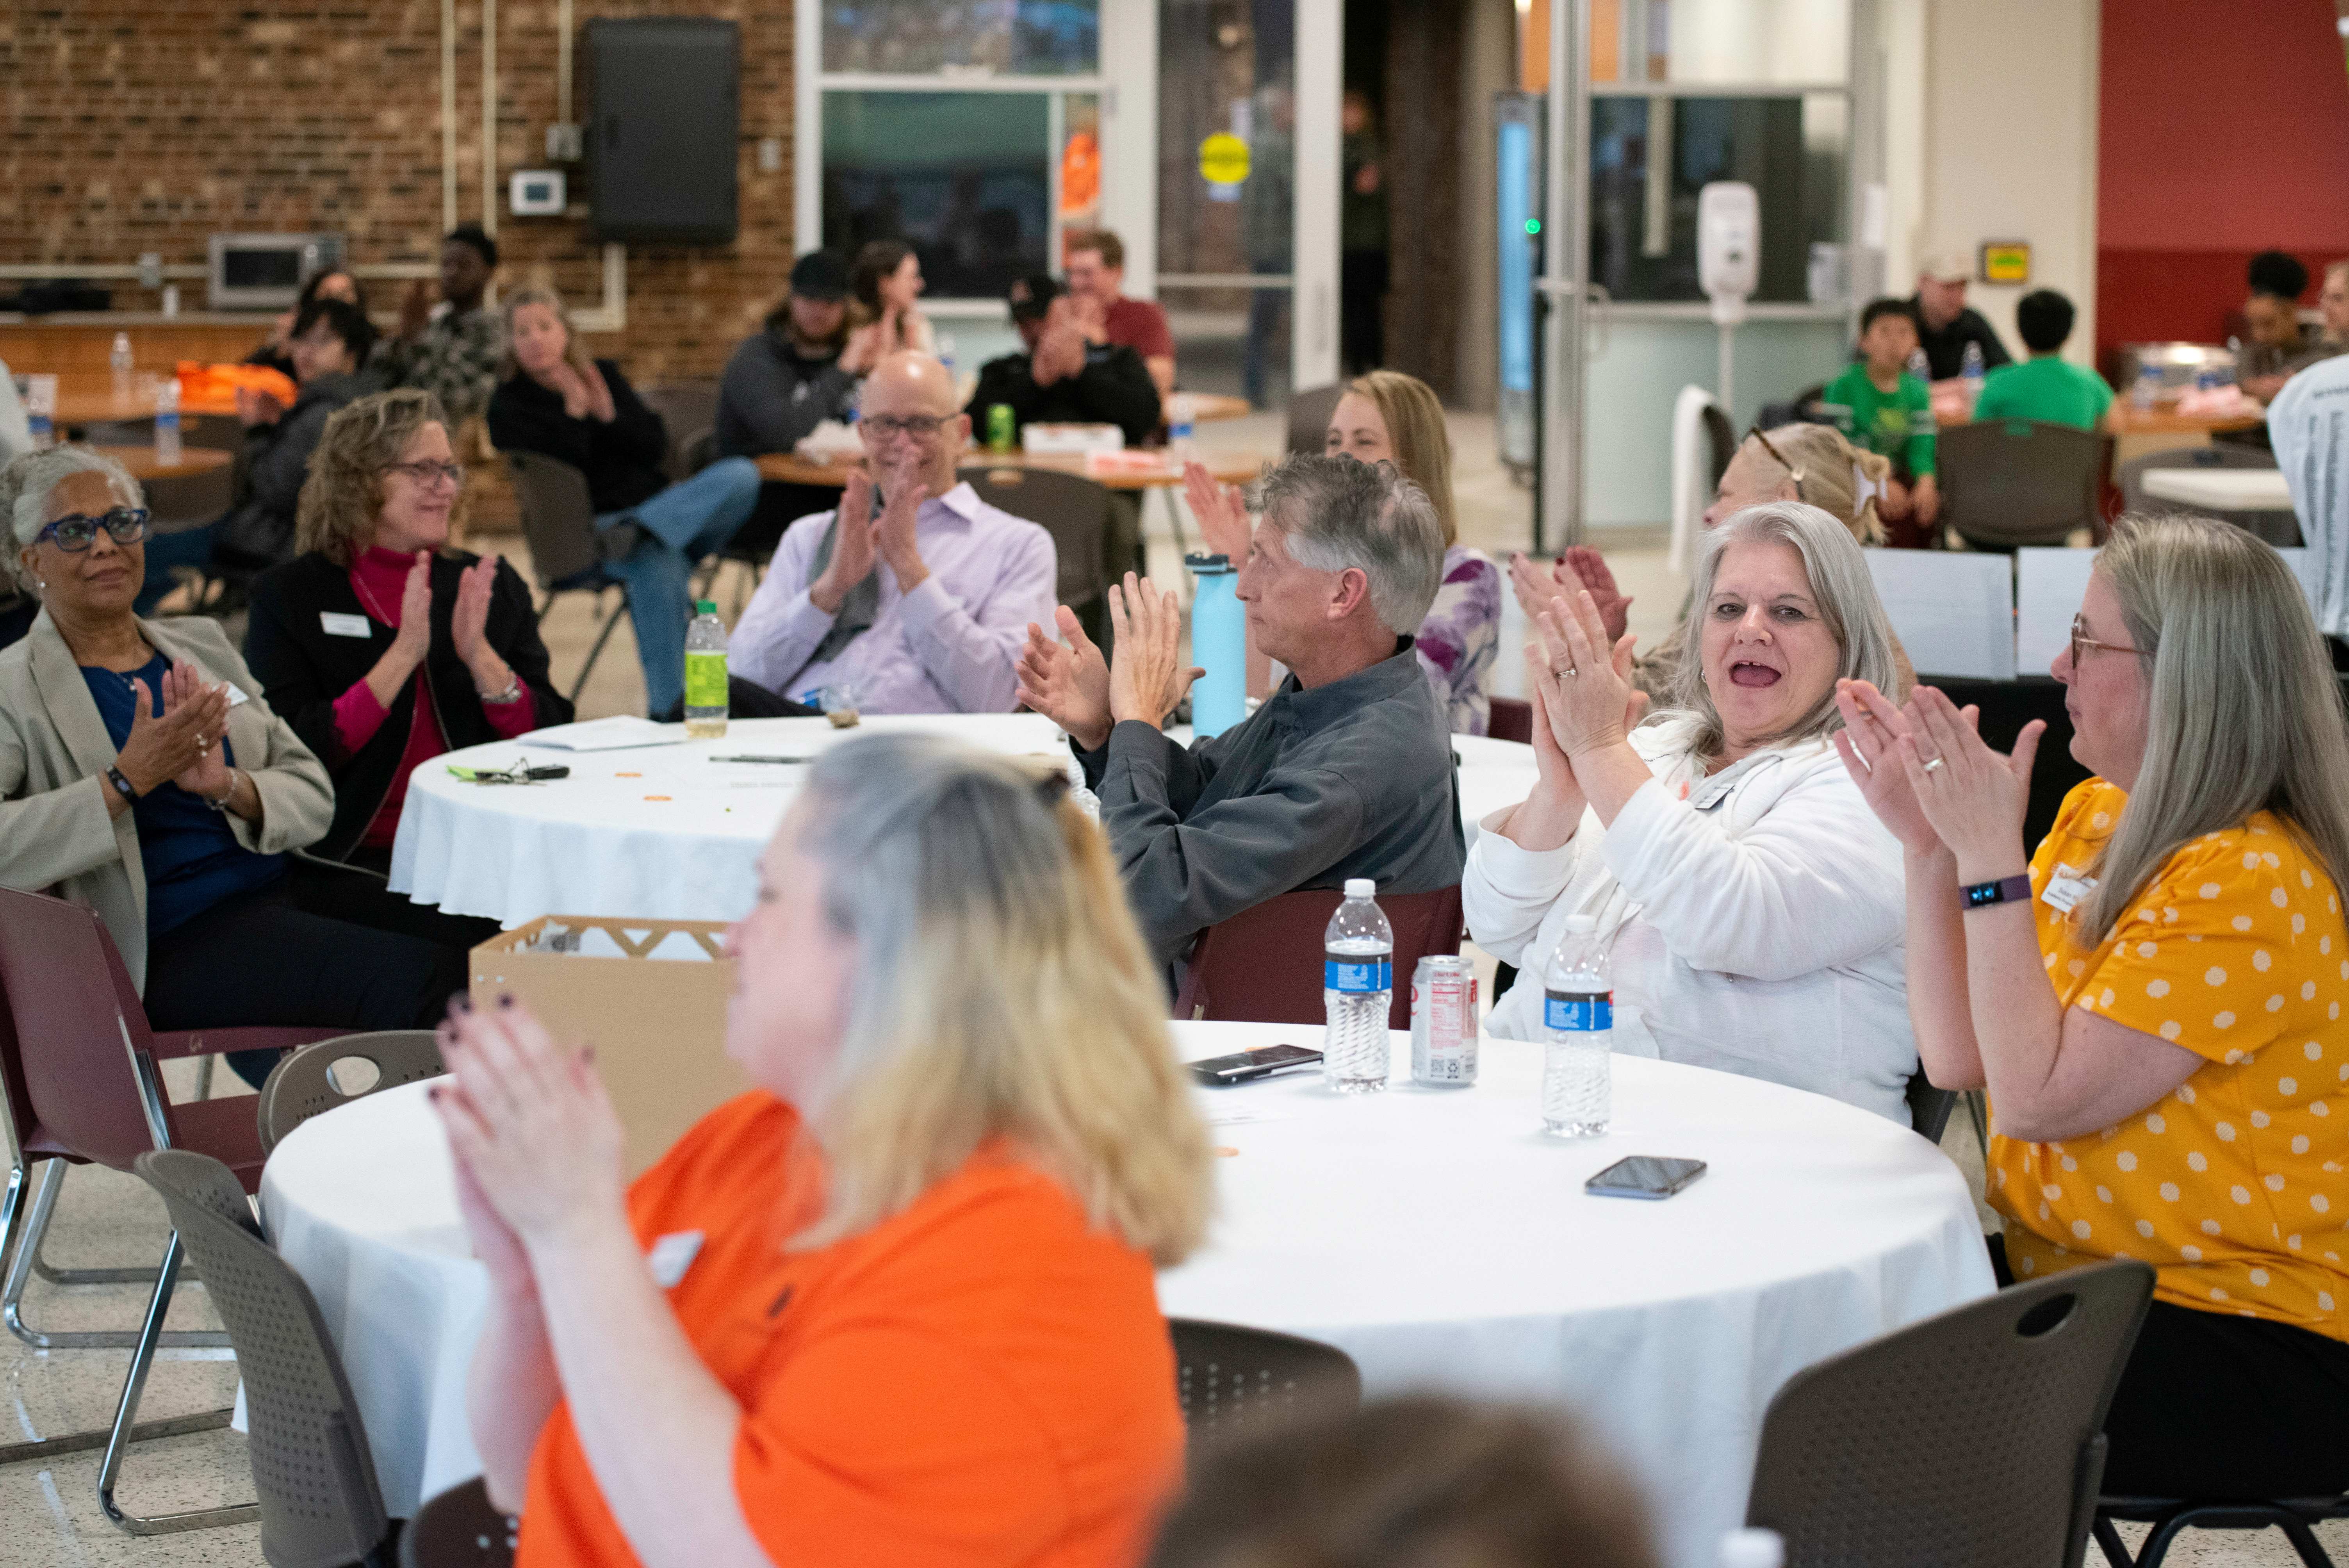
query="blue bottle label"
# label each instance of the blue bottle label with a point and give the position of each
(1578, 1012)
(1358, 974)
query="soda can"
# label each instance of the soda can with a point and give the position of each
(1001, 427)
(1443, 1021)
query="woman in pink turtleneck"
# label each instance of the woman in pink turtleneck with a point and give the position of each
(382, 646)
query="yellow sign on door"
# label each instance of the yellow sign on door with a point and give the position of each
(2006, 262)
(1222, 159)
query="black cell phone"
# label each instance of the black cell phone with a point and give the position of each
(1222, 1072)
(1645, 1176)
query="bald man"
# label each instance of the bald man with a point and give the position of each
(915, 593)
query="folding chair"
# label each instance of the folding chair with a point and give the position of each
(1234, 1382)
(558, 520)
(1075, 511)
(2009, 483)
(1264, 964)
(318, 1078)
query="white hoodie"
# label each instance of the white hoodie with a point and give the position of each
(1757, 916)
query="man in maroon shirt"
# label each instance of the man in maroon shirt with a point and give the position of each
(1096, 271)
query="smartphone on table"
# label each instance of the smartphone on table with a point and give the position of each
(1649, 1176)
(1243, 1067)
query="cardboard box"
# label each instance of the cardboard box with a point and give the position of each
(650, 995)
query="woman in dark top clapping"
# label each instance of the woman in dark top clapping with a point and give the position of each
(385, 648)
(556, 401)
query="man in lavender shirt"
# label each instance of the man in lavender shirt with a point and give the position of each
(917, 603)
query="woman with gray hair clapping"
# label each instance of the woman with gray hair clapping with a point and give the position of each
(142, 774)
(1753, 900)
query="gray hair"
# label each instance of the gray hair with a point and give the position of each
(1001, 989)
(2243, 714)
(29, 478)
(1840, 584)
(1336, 513)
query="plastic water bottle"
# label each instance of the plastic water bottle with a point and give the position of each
(40, 409)
(704, 674)
(167, 423)
(946, 352)
(1969, 372)
(1218, 646)
(1753, 1548)
(1918, 365)
(2146, 390)
(1579, 1024)
(1357, 989)
(1182, 415)
(123, 362)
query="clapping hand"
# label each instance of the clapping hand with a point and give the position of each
(852, 546)
(530, 1128)
(1583, 681)
(895, 532)
(1147, 680)
(206, 708)
(1872, 727)
(1974, 798)
(1583, 569)
(1222, 512)
(1067, 682)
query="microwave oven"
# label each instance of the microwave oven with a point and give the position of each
(266, 272)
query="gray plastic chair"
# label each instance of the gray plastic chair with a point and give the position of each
(1234, 1382)
(1072, 509)
(2009, 483)
(2171, 1517)
(1309, 418)
(689, 410)
(558, 520)
(1929, 1108)
(336, 1072)
(1972, 1439)
(460, 1528)
(2280, 529)
(320, 1505)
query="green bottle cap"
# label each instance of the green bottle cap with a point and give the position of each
(705, 607)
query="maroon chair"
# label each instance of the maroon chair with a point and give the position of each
(1263, 964)
(1513, 719)
(77, 1065)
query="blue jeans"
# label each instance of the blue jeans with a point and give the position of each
(181, 547)
(686, 521)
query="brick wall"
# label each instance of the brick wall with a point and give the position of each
(148, 125)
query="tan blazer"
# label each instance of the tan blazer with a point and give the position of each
(55, 834)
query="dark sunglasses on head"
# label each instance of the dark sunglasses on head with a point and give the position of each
(75, 534)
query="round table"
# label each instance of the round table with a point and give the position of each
(1228, 468)
(1437, 1236)
(668, 833)
(146, 468)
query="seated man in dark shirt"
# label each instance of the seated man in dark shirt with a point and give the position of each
(1061, 378)
(1944, 323)
(1345, 771)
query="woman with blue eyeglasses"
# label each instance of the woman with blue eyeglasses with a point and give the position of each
(142, 775)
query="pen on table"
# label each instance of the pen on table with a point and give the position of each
(750, 757)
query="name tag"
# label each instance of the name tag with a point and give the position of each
(337, 624)
(2065, 889)
(671, 1255)
(236, 698)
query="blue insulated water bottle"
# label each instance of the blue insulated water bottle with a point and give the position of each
(1218, 646)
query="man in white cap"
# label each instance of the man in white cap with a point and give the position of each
(1945, 324)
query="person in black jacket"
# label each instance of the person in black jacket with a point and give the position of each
(802, 369)
(331, 342)
(383, 647)
(1062, 378)
(556, 401)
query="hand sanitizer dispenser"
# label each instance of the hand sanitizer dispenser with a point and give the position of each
(1728, 259)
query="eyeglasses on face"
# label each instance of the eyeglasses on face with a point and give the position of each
(921, 426)
(429, 474)
(2082, 642)
(75, 534)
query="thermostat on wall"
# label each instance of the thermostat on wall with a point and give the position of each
(536, 193)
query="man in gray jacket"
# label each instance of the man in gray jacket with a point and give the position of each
(802, 369)
(1345, 771)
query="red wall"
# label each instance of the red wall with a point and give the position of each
(2223, 130)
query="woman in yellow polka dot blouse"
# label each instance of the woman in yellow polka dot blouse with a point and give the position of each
(2156, 1006)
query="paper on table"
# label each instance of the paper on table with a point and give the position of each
(2048, 583)
(617, 733)
(1954, 613)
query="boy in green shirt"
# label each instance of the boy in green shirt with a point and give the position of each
(2044, 386)
(1889, 411)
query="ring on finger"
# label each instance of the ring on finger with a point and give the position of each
(1932, 763)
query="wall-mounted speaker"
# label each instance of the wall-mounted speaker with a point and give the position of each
(663, 118)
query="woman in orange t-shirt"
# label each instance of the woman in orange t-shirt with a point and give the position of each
(2155, 1005)
(896, 1305)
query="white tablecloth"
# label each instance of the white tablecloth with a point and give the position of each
(2221, 490)
(665, 833)
(1437, 1236)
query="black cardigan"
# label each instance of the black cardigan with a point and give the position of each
(303, 670)
(622, 459)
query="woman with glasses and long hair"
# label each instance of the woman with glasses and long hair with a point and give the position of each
(2153, 1000)
(384, 647)
(1809, 463)
(144, 775)
(901, 1306)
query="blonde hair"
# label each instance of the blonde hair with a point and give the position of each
(2242, 712)
(1840, 585)
(573, 355)
(1002, 991)
(1830, 473)
(1415, 429)
(344, 492)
